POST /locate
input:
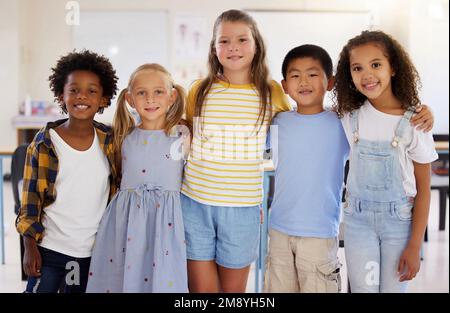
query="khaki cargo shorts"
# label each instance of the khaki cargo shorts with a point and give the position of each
(302, 264)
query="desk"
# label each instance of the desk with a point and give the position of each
(28, 126)
(260, 266)
(3, 155)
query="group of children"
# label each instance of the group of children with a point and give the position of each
(173, 205)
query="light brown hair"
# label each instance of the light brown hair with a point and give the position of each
(259, 69)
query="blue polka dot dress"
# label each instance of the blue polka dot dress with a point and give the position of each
(140, 245)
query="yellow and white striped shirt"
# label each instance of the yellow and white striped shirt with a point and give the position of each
(225, 163)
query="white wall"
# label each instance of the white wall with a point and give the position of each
(49, 37)
(9, 74)
(36, 35)
(429, 49)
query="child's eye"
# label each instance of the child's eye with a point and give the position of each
(93, 91)
(313, 75)
(243, 39)
(72, 90)
(159, 92)
(141, 93)
(376, 65)
(222, 41)
(356, 68)
(295, 76)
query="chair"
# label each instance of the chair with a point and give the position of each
(17, 166)
(440, 181)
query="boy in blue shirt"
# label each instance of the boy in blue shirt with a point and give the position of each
(310, 155)
(312, 151)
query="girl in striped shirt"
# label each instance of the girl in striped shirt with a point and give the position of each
(230, 111)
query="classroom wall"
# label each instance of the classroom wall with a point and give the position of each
(36, 35)
(429, 48)
(9, 70)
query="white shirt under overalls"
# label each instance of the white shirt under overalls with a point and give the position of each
(416, 145)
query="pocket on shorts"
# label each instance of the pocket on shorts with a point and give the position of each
(329, 277)
(348, 207)
(404, 212)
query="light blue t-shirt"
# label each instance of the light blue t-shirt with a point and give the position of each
(309, 175)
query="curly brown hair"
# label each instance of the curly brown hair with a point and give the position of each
(405, 83)
(88, 61)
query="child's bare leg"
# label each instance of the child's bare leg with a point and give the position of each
(203, 276)
(233, 280)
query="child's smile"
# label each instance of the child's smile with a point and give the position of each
(151, 95)
(371, 71)
(83, 94)
(306, 83)
(235, 46)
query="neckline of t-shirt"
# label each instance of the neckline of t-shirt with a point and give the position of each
(371, 108)
(236, 86)
(65, 144)
(309, 116)
(150, 130)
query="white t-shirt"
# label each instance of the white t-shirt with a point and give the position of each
(415, 145)
(82, 189)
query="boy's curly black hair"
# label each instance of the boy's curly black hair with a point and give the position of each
(405, 83)
(87, 61)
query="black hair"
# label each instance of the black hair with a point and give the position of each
(309, 51)
(84, 60)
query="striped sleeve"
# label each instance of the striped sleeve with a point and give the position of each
(190, 103)
(280, 102)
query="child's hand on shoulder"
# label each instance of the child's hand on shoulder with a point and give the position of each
(423, 118)
(409, 263)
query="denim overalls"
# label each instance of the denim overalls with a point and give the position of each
(377, 212)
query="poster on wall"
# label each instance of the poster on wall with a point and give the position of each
(191, 40)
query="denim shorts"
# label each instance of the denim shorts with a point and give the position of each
(228, 235)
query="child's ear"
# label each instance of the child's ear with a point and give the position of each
(61, 98)
(129, 99)
(104, 102)
(330, 85)
(174, 95)
(284, 85)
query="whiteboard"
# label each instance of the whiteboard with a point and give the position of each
(284, 30)
(127, 38)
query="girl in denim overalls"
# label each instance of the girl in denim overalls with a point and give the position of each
(388, 187)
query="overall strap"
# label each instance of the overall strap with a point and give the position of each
(355, 125)
(402, 126)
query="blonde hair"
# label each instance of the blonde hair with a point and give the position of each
(124, 123)
(259, 69)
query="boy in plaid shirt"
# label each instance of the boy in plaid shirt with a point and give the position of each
(69, 175)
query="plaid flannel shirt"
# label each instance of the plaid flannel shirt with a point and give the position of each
(41, 169)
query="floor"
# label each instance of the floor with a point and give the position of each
(433, 276)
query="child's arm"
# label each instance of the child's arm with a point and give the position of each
(409, 263)
(423, 119)
(32, 260)
(28, 222)
(186, 147)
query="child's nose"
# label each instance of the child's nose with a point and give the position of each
(81, 95)
(233, 47)
(303, 81)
